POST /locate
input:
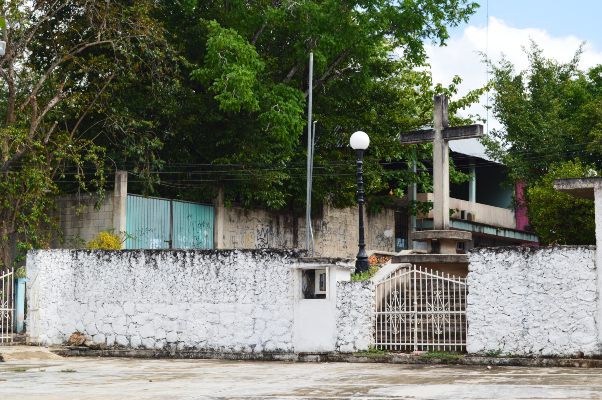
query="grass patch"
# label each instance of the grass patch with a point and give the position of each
(18, 369)
(371, 352)
(366, 275)
(493, 353)
(440, 355)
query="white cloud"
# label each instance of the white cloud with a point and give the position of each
(463, 56)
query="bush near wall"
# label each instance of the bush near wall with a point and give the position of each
(105, 241)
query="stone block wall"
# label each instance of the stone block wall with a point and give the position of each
(355, 316)
(532, 301)
(80, 219)
(204, 300)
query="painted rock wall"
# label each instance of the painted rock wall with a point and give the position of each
(532, 301)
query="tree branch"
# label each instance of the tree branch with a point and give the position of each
(324, 78)
(259, 32)
(81, 118)
(56, 63)
(291, 73)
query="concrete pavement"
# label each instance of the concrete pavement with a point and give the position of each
(33, 373)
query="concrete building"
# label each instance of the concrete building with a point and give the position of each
(486, 206)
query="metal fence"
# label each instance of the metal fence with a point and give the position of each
(7, 290)
(155, 223)
(421, 309)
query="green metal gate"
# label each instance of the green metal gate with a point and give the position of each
(154, 223)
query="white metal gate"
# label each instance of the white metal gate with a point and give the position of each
(421, 309)
(7, 291)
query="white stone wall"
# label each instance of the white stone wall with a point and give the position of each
(529, 301)
(355, 316)
(205, 300)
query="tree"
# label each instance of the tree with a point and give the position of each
(557, 217)
(61, 57)
(246, 63)
(551, 117)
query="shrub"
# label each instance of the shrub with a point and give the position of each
(105, 241)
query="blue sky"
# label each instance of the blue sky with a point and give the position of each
(580, 18)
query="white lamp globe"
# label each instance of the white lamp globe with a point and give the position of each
(359, 141)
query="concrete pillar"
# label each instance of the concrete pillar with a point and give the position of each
(440, 167)
(472, 185)
(412, 196)
(120, 201)
(219, 215)
(598, 219)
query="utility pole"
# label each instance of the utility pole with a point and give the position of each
(308, 230)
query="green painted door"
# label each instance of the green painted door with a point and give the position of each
(154, 223)
(192, 226)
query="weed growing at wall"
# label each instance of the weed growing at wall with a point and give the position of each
(440, 355)
(372, 351)
(366, 275)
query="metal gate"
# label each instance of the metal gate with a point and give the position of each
(155, 223)
(7, 309)
(421, 309)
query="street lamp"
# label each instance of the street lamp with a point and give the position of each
(2, 48)
(359, 142)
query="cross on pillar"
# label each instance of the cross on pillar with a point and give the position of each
(440, 136)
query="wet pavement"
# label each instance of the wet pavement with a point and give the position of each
(32, 373)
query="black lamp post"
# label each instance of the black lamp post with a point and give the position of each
(360, 141)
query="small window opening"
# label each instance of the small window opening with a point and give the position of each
(314, 283)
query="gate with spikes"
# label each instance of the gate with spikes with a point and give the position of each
(421, 309)
(7, 290)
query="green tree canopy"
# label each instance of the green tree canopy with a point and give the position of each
(557, 217)
(551, 117)
(62, 58)
(243, 94)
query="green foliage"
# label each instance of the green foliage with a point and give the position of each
(547, 112)
(493, 353)
(244, 68)
(65, 58)
(366, 275)
(105, 241)
(440, 355)
(20, 272)
(372, 351)
(230, 69)
(551, 129)
(557, 217)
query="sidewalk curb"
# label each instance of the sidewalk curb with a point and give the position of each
(392, 358)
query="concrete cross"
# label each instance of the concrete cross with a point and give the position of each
(440, 135)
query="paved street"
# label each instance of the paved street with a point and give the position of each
(31, 374)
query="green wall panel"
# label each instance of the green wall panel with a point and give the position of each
(148, 224)
(192, 226)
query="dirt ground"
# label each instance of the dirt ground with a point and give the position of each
(35, 373)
